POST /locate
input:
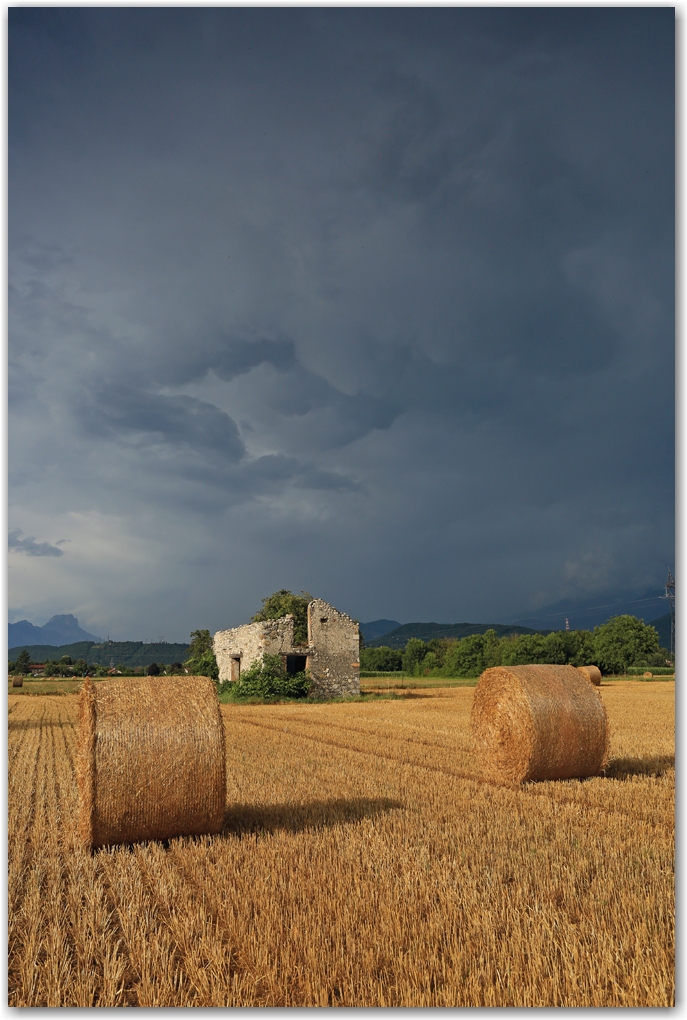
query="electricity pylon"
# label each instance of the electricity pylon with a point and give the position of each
(670, 595)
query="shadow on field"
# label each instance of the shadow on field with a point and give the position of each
(37, 724)
(623, 768)
(241, 818)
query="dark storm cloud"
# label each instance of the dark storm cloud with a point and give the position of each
(399, 276)
(150, 419)
(28, 545)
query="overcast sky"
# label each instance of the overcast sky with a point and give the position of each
(376, 303)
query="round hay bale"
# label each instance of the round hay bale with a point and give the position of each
(648, 676)
(150, 759)
(592, 673)
(538, 722)
(17, 681)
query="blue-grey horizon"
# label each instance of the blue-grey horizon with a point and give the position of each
(376, 303)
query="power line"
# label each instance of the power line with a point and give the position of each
(609, 605)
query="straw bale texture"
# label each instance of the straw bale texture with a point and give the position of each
(648, 676)
(17, 681)
(538, 722)
(592, 673)
(150, 761)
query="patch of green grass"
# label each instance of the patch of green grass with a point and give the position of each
(644, 679)
(390, 673)
(658, 671)
(226, 698)
(46, 687)
(422, 682)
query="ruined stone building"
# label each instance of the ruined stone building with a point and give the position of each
(331, 654)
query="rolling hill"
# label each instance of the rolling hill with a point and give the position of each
(428, 631)
(125, 653)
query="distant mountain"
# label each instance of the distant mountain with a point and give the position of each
(428, 631)
(59, 630)
(135, 653)
(585, 614)
(375, 629)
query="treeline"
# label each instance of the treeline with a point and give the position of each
(200, 661)
(126, 655)
(65, 666)
(622, 642)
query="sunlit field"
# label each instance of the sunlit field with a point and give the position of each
(363, 863)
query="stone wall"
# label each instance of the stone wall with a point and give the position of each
(332, 650)
(334, 657)
(250, 642)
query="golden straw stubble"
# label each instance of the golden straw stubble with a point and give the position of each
(591, 673)
(150, 760)
(538, 722)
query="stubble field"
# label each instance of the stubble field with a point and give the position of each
(363, 863)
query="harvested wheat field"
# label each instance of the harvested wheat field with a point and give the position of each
(362, 863)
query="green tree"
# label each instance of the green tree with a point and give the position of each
(430, 662)
(437, 647)
(466, 658)
(23, 663)
(523, 650)
(491, 652)
(283, 602)
(554, 649)
(53, 668)
(267, 678)
(154, 670)
(624, 641)
(201, 659)
(382, 660)
(80, 667)
(413, 655)
(579, 647)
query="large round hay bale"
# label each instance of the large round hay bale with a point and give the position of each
(538, 722)
(592, 673)
(150, 759)
(648, 676)
(17, 681)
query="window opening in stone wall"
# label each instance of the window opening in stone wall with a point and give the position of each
(235, 667)
(324, 619)
(295, 664)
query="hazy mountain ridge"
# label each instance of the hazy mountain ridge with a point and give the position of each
(59, 630)
(377, 628)
(429, 631)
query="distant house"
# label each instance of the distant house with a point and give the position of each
(331, 654)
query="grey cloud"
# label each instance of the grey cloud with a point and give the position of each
(343, 417)
(277, 468)
(28, 545)
(423, 256)
(152, 419)
(228, 356)
(239, 356)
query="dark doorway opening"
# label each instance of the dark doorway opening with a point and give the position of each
(295, 664)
